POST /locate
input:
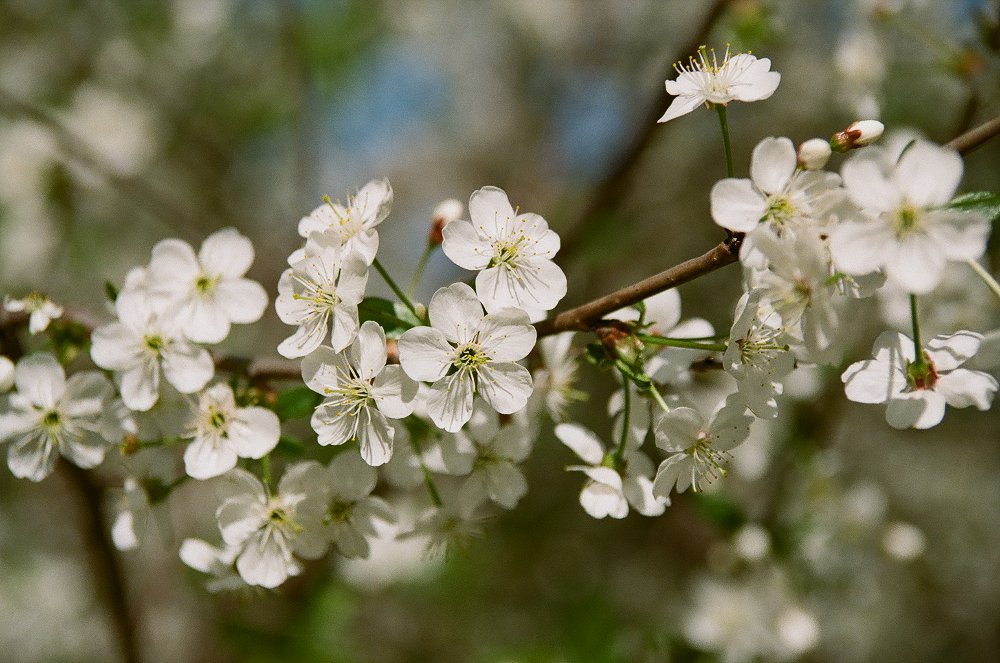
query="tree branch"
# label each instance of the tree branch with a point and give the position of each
(583, 317)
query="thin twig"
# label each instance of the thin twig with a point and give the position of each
(974, 138)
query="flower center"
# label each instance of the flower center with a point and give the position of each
(779, 210)
(505, 251)
(907, 220)
(154, 343)
(205, 284)
(52, 420)
(351, 397)
(469, 357)
(339, 511)
(708, 463)
(921, 376)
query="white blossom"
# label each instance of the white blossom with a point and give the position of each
(216, 562)
(6, 374)
(48, 416)
(778, 199)
(40, 309)
(351, 509)
(609, 491)
(141, 346)
(318, 292)
(362, 394)
(207, 292)
(268, 530)
(221, 433)
(757, 355)
(699, 450)
(350, 228)
(705, 80)
(555, 380)
(496, 449)
(513, 253)
(465, 352)
(905, 226)
(917, 395)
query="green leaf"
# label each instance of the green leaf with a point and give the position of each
(111, 291)
(296, 403)
(290, 446)
(984, 202)
(394, 320)
(635, 374)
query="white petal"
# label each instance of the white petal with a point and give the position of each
(424, 353)
(243, 301)
(306, 338)
(952, 350)
(583, 442)
(375, 439)
(449, 402)
(140, 386)
(226, 253)
(772, 165)
(506, 484)
(639, 493)
(490, 211)
(41, 379)
(239, 517)
(187, 368)
(916, 265)
(505, 386)
(204, 460)
(371, 350)
(681, 105)
(344, 326)
(736, 205)
(507, 335)
(915, 409)
(113, 346)
(394, 393)
(464, 247)
(867, 184)
(32, 457)
(928, 174)
(456, 311)
(859, 248)
(962, 388)
(264, 564)
(254, 432)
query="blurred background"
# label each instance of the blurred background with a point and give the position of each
(833, 538)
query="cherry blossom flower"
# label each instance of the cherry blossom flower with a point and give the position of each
(698, 449)
(223, 432)
(351, 228)
(905, 227)
(321, 291)
(757, 355)
(216, 562)
(496, 449)
(556, 379)
(268, 530)
(705, 80)
(777, 199)
(48, 416)
(361, 392)
(207, 292)
(351, 509)
(141, 346)
(916, 394)
(465, 352)
(41, 311)
(513, 253)
(609, 491)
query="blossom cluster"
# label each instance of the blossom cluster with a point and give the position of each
(447, 399)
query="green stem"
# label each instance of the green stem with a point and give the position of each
(682, 343)
(265, 473)
(724, 124)
(395, 288)
(428, 481)
(987, 278)
(918, 346)
(655, 393)
(626, 416)
(419, 271)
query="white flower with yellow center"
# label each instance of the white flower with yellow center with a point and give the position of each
(362, 394)
(351, 227)
(465, 352)
(48, 416)
(267, 529)
(705, 80)
(318, 292)
(40, 309)
(906, 228)
(757, 355)
(699, 450)
(223, 432)
(206, 292)
(512, 252)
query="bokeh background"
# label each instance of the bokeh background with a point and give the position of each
(833, 538)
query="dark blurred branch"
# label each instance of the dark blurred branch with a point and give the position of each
(108, 573)
(615, 184)
(75, 148)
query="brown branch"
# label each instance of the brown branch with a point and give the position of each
(614, 184)
(583, 317)
(975, 137)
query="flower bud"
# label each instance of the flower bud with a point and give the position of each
(446, 212)
(814, 153)
(619, 341)
(857, 134)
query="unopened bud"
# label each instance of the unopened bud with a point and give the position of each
(814, 153)
(391, 351)
(446, 212)
(857, 134)
(619, 341)
(129, 445)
